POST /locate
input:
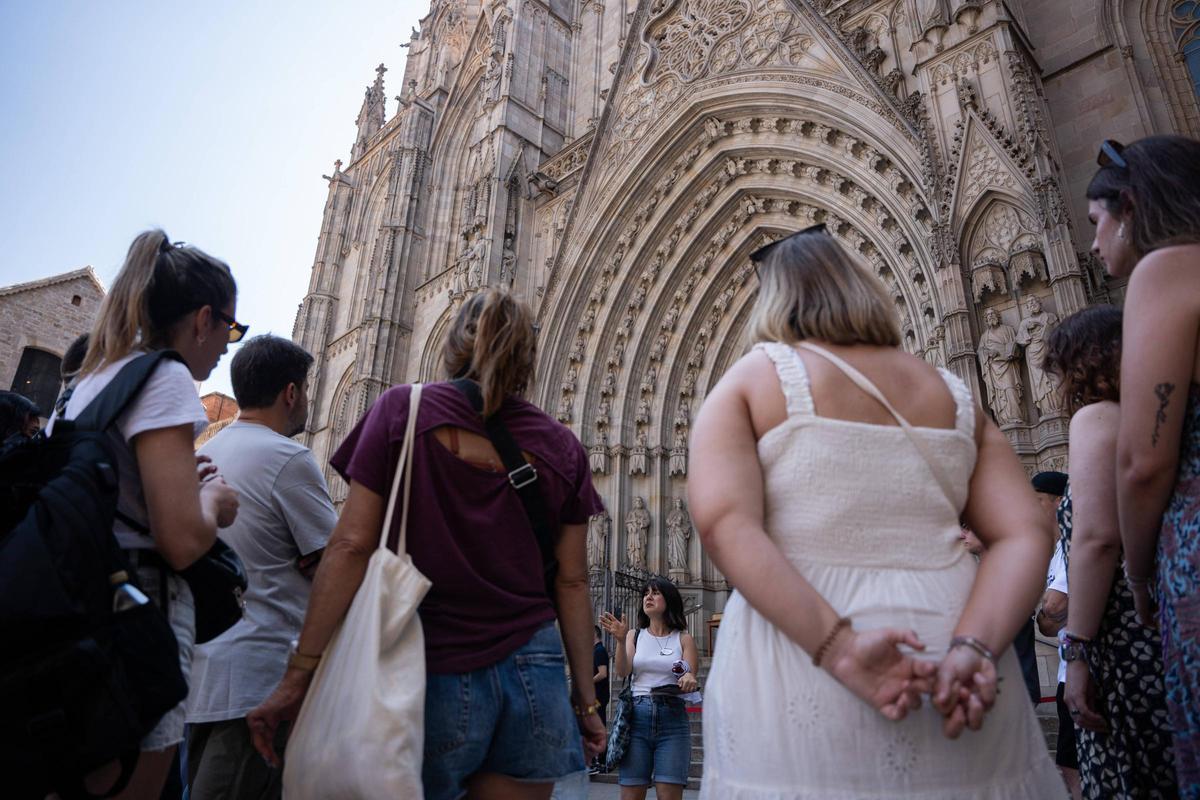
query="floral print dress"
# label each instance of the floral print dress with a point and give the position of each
(1179, 603)
(1133, 760)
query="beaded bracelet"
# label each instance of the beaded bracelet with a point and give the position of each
(973, 643)
(843, 622)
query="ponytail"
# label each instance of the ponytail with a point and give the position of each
(158, 285)
(492, 342)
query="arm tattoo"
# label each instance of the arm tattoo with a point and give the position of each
(1163, 392)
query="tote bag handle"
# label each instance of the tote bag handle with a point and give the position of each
(403, 468)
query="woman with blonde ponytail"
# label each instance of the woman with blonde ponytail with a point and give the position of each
(166, 296)
(498, 717)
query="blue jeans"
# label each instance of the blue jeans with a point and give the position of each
(513, 718)
(660, 748)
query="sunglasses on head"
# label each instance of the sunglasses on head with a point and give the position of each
(237, 331)
(1110, 154)
(760, 255)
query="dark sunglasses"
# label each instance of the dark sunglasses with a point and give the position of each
(1110, 154)
(760, 255)
(237, 331)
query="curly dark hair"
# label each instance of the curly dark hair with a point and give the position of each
(1084, 350)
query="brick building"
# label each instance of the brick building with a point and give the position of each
(38, 321)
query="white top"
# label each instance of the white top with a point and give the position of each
(168, 399)
(857, 511)
(284, 512)
(651, 668)
(1056, 579)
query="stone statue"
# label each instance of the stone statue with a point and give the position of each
(679, 530)
(603, 413)
(475, 265)
(564, 409)
(683, 414)
(658, 348)
(1032, 336)
(648, 380)
(597, 541)
(689, 383)
(638, 461)
(610, 384)
(678, 463)
(569, 382)
(935, 351)
(642, 415)
(1000, 358)
(637, 530)
(598, 454)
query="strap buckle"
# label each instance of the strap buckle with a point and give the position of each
(522, 476)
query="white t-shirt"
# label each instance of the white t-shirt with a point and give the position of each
(1056, 579)
(167, 400)
(284, 512)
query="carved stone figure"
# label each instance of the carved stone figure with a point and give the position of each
(999, 356)
(603, 413)
(597, 541)
(683, 414)
(658, 348)
(1032, 336)
(642, 416)
(638, 461)
(637, 531)
(609, 386)
(564, 409)
(648, 380)
(598, 454)
(569, 380)
(672, 317)
(678, 462)
(679, 531)
(935, 350)
(689, 383)
(578, 349)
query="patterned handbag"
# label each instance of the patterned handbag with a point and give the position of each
(622, 727)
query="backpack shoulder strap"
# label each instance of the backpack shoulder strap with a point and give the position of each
(103, 411)
(521, 474)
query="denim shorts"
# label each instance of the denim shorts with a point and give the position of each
(660, 747)
(513, 718)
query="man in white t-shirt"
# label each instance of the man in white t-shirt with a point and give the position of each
(283, 523)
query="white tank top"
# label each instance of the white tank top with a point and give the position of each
(650, 667)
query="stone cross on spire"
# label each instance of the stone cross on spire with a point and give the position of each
(371, 116)
(379, 77)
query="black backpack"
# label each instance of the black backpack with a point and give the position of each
(85, 671)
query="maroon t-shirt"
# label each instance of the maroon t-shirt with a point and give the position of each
(467, 529)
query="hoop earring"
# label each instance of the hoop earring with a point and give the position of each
(200, 340)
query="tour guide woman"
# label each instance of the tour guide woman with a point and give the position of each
(498, 719)
(660, 747)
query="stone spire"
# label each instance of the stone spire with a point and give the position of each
(371, 115)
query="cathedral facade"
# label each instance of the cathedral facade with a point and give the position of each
(615, 161)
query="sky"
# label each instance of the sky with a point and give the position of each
(211, 120)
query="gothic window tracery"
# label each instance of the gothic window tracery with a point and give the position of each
(1185, 27)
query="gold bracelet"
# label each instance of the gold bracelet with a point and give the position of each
(843, 622)
(587, 710)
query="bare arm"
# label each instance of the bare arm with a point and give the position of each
(1004, 513)
(1095, 536)
(183, 516)
(575, 609)
(601, 673)
(623, 658)
(1157, 358)
(1052, 616)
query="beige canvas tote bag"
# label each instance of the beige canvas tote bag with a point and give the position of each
(361, 730)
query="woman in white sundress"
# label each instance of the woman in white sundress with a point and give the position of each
(834, 514)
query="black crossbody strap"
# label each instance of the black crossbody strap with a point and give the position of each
(521, 475)
(103, 411)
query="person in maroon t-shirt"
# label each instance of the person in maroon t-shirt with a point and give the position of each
(498, 716)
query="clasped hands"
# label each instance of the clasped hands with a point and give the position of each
(962, 686)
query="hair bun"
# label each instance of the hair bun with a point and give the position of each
(166, 246)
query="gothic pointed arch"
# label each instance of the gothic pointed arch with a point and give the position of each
(1160, 43)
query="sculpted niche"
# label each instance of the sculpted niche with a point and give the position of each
(999, 358)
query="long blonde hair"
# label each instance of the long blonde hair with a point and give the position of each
(158, 285)
(811, 288)
(492, 341)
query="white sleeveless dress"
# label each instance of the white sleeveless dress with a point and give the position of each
(857, 510)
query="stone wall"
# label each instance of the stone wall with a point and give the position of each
(46, 315)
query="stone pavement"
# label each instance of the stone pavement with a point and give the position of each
(610, 791)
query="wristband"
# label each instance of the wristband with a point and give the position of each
(300, 661)
(843, 622)
(973, 643)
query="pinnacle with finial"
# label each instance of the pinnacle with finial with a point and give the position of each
(379, 74)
